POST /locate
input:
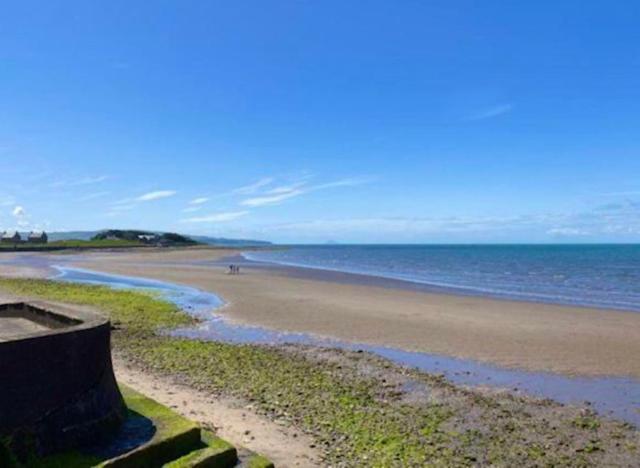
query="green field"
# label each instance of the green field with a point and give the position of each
(72, 244)
(350, 403)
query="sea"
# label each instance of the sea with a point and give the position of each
(602, 275)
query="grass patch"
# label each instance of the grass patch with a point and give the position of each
(71, 244)
(94, 244)
(134, 311)
(346, 416)
(357, 419)
(587, 421)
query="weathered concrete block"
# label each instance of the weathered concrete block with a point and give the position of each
(58, 389)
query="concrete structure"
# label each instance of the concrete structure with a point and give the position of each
(58, 390)
(10, 237)
(37, 237)
(60, 405)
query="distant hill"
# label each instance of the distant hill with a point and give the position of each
(219, 241)
(165, 238)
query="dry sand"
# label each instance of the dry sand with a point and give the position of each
(569, 340)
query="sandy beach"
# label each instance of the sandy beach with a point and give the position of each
(532, 336)
(290, 402)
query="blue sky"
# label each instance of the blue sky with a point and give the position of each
(304, 121)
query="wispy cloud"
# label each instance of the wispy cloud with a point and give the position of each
(192, 209)
(118, 207)
(491, 112)
(91, 180)
(253, 188)
(121, 208)
(80, 181)
(93, 196)
(199, 201)
(216, 217)
(348, 182)
(285, 188)
(621, 194)
(568, 232)
(271, 199)
(7, 201)
(285, 192)
(157, 195)
(620, 220)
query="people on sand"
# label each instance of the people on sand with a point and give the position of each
(234, 270)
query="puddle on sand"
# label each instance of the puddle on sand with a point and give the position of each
(615, 396)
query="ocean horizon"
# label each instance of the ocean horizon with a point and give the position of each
(590, 275)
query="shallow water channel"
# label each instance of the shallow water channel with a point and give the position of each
(615, 396)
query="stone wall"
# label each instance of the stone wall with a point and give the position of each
(58, 389)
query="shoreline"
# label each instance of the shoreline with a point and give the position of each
(566, 340)
(609, 395)
(381, 280)
(395, 401)
(573, 341)
(355, 406)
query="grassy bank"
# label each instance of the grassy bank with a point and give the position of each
(363, 411)
(71, 244)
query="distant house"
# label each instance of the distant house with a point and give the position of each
(38, 237)
(10, 237)
(148, 238)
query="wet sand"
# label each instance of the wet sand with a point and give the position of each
(532, 336)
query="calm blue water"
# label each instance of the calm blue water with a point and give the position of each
(591, 275)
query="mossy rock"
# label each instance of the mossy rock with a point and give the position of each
(175, 436)
(258, 461)
(216, 453)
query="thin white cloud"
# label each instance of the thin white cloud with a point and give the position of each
(568, 232)
(18, 211)
(93, 196)
(285, 188)
(91, 180)
(253, 188)
(621, 194)
(192, 209)
(126, 204)
(282, 193)
(614, 220)
(348, 182)
(216, 217)
(271, 199)
(7, 201)
(81, 181)
(157, 195)
(199, 201)
(491, 112)
(122, 207)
